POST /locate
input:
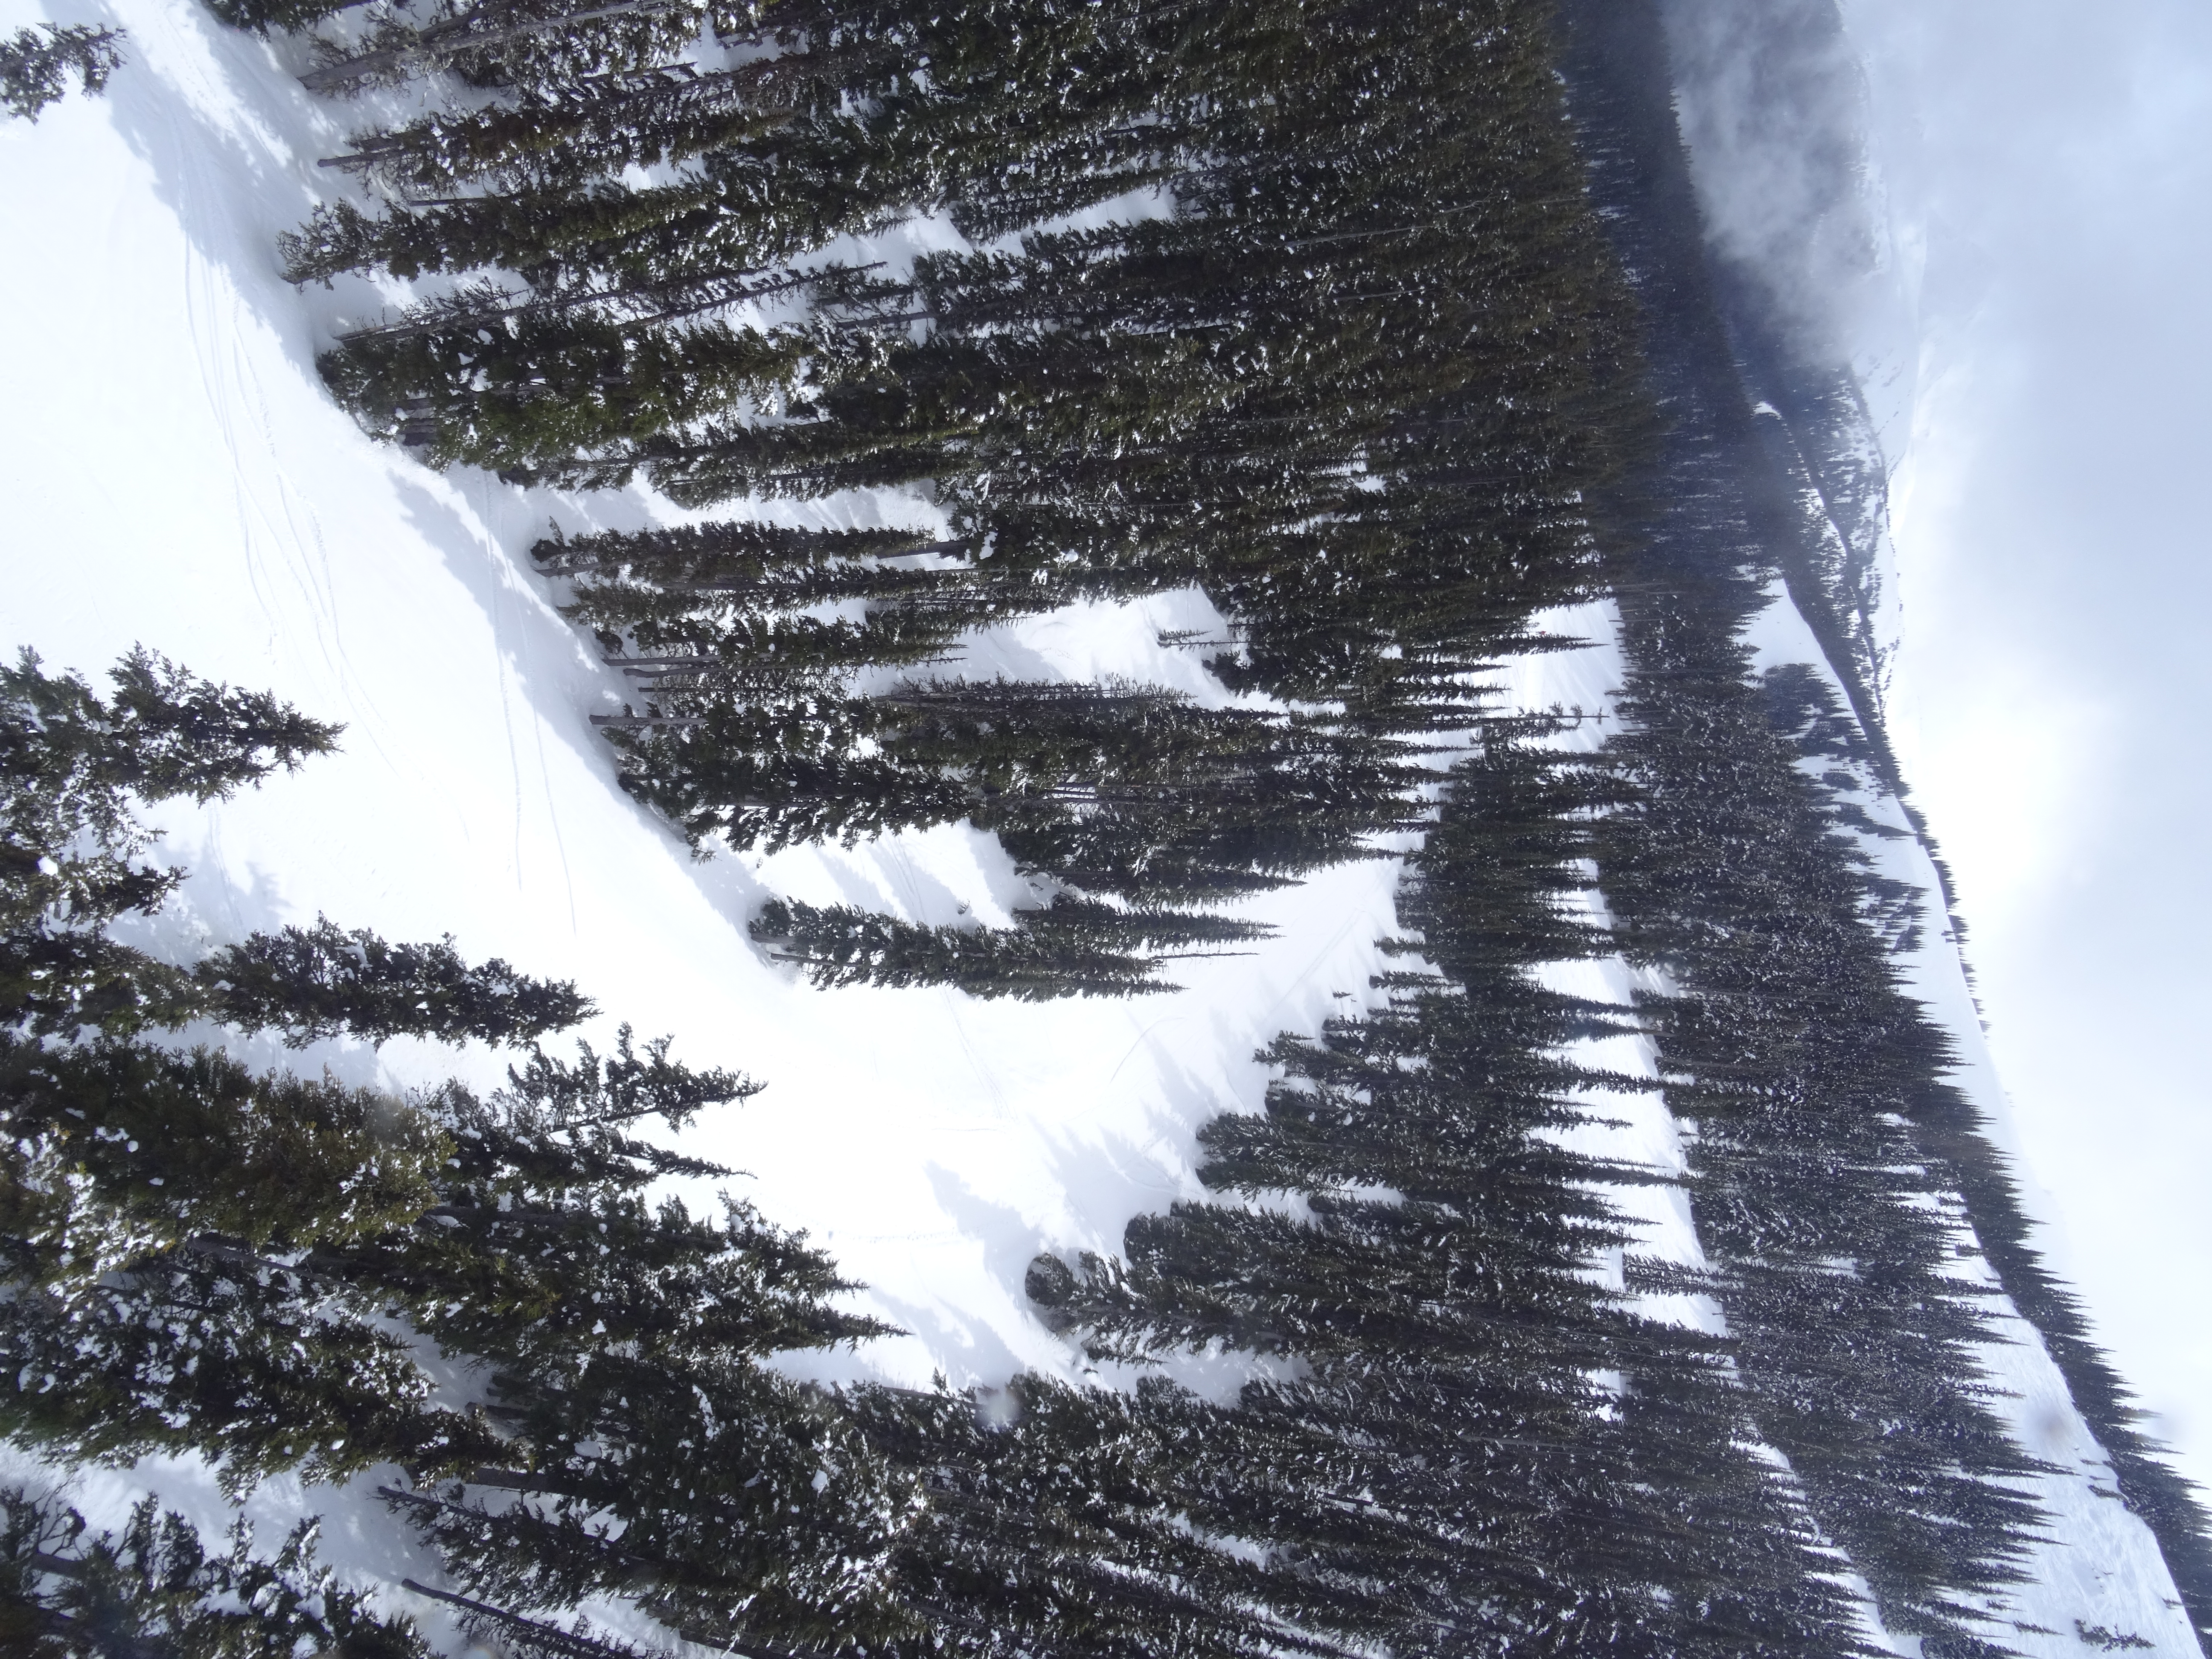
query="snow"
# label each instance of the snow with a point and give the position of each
(177, 477)
(187, 482)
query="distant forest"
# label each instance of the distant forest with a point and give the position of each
(1388, 328)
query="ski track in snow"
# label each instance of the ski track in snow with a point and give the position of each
(177, 475)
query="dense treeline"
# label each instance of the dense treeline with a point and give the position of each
(1483, 1450)
(1831, 1229)
(1351, 372)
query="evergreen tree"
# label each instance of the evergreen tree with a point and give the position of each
(203, 1259)
(36, 63)
(72, 763)
(157, 1591)
(1805, 1067)
(1071, 947)
(537, 386)
(316, 982)
(70, 846)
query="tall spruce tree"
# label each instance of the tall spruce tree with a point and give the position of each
(1070, 947)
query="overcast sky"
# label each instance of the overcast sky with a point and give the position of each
(2028, 273)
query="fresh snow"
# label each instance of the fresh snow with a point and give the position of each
(177, 477)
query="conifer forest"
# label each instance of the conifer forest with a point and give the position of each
(1384, 335)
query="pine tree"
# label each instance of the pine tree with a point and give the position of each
(71, 764)
(1072, 947)
(539, 386)
(613, 1333)
(70, 846)
(316, 982)
(36, 63)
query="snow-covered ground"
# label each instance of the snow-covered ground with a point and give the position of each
(176, 476)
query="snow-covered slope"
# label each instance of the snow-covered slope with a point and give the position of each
(175, 476)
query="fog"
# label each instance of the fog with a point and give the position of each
(2002, 212)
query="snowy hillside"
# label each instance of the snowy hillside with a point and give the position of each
(179, 476)
(192, 488)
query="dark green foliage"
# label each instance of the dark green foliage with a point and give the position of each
(280, 1274)
(1335, 392)
(1805, 1066)
(541, 45)
(526, 1637)
(733, 1505)
(1115, 788)
(1071, 947)
(535, 387)
(36, 63)
(146, 1194)
(200, 1255)
(622, 1342)
(719, 557)
(117, 1151)
(318, 981)
(1449, 1471)
(263, 16)
(156, 1592)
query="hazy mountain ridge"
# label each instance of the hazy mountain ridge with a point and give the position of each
(1751, 401)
